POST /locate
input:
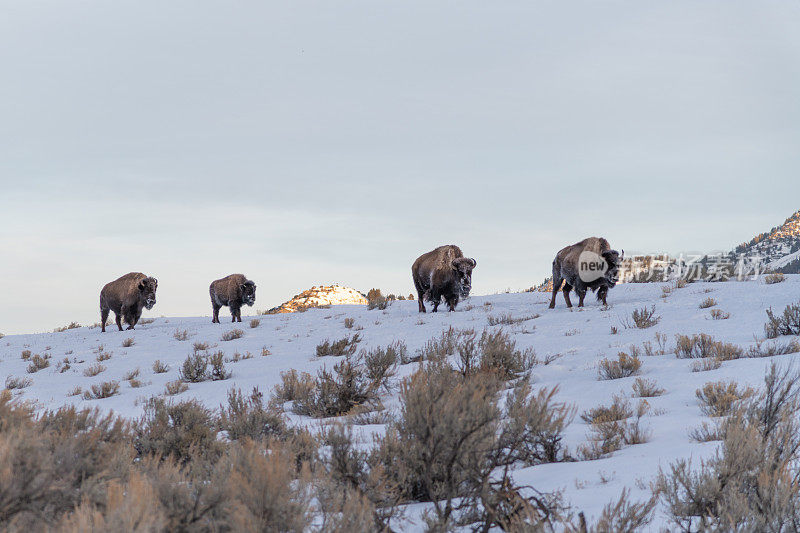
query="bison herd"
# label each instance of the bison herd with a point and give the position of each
(441, 274)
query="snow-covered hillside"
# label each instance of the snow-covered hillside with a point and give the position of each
(581, 337)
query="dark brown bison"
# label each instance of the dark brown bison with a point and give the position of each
(589, 264)
(232, 291)
(442, 273)
(127, 296)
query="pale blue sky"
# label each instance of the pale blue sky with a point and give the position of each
(304, 143)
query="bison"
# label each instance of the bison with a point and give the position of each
(127, 296)
(442, 273)
(232, 291)
(589, 264)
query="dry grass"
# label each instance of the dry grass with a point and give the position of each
(232, 335)
(103, 390)
(25, 355)
(508, 320)
(708, 302)
(175, 387)
(345, 346)
(719, 314)
(159, 367)
(611, 428)
(702, 345)
(17, 383)
(254, 323)
(38, 362)
(349, 323)
(181, 335)
(645, 318)
(621, 367)
(771, 279)
(71, 325)
(103, 356)
(94, 370)
(705, 364)
(127, 343)
(646, 388)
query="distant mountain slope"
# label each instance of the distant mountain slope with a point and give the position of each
(780, 246)
(321, 296)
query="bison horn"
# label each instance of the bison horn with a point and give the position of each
(474, 263)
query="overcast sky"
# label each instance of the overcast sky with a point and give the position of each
(306, 143)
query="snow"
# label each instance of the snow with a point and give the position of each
(581, 336)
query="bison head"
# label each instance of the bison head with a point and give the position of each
(462, 268)
(248, 292)
(613, 259)
(147, 290)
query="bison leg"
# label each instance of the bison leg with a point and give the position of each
(421, 300)
(215, 309)
(452, 302)
(103, 319)
(118, 318)
(580, 290)
(435, 305)
(235, 313)
(602, 292)
(556, 285)
(565, 290)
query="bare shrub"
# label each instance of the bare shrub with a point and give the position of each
(771, 279)
(620, 409)
(621, 515)
(706, 432)
(127, 343)
(103, 356)
(26, 354)
(645, 318)
(38, 362)
(705, 364)
(608, 432)
(623, 367)
(181, 335)
(218, 371)
(376, 300)
(294, 386)
(337, 392)
(249, 417)
(380, 363)
(450, 438)
(703, 345)
(17, 383)
(440, 347)
(103, 390)
(200, 347)
(267, 495)
(175, 387)
(76, 391)
(232, 335)
(254, 323)
(159, 367)
(349, 323)
(71, 325)
(131, 374)
(508, 320)
(760, 350)
(646, 388)
(345, 346)
(719, 314)
(750, 484)
(181, 430)
(94, 369)
(786, 324)
(708, 302)
(718, 398)
(194, 369)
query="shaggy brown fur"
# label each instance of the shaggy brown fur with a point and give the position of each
(565, 270)
(127, 296)
(232, 291)
(442, 273)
